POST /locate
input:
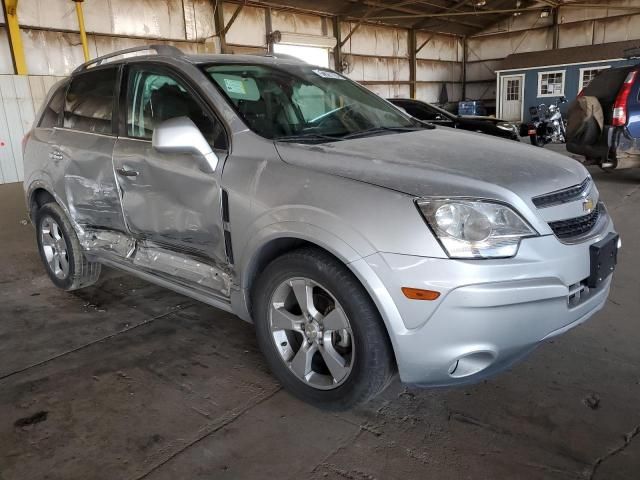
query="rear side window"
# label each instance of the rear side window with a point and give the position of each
(89, 103)
(51, 114)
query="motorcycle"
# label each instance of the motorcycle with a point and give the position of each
(547, 124)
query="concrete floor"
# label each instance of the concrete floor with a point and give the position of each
(126, 380)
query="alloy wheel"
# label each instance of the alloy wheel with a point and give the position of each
(54, 247)
(311, 333)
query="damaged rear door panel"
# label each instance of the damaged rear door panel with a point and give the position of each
(84, 146)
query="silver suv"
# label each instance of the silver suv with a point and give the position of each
(358, 240)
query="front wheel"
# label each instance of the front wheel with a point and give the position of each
(321, 334)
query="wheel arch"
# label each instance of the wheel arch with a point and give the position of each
(37, 197)
(275, 246)
(278, 239)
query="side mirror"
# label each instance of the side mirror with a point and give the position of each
(180, 135)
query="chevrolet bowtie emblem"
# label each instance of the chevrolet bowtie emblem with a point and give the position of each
(588, 205)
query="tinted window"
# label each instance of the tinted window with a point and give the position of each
(154, 97)
(89, 103)
(51, 114)
(421, 111)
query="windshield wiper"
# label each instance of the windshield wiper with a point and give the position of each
(374, 130)
(305, 137)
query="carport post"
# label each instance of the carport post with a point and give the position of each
(556, 28)
(83, 32)
(337, 51)
(464, 67)
(269, 29)
(15, 41)
(412, 63)
(218, 16)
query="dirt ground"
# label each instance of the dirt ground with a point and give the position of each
(127, 380)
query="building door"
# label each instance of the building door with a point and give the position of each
(511, 97)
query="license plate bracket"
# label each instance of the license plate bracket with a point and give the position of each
(604, 257)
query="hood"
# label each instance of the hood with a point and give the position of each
(441, 161)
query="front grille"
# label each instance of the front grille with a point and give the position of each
(562, 196)
(575, 227)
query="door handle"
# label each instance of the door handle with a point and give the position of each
(126, 173)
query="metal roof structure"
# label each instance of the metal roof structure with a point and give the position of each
(457, 17)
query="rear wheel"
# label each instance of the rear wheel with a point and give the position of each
(536, 140)
(319, 330)
(61, 252)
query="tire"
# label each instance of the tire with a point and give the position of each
(363, 347)
(70, 269)
(536, 141)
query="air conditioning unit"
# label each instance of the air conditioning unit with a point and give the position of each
(302, 39)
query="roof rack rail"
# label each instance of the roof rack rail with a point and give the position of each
(159, 49)
(633, 52)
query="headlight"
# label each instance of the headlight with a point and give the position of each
(475, 228)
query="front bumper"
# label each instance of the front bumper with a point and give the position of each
(490, 312)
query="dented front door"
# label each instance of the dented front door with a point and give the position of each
(167, 198)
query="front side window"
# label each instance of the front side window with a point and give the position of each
(304, 101)
(154, 97)
(89, 103)
(51, 113)
(551, 84)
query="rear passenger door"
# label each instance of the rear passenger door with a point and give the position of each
(166, 198)
(82, 148)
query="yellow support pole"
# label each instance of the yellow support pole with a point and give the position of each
(83, 32)
(13, 27)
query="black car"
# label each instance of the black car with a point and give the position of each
(432, 114)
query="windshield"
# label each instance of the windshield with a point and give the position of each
(305, 103)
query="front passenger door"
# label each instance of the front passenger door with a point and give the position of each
(167, 198)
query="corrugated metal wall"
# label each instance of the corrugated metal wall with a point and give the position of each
(529, 32)
(20, 97)
(376, 56)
